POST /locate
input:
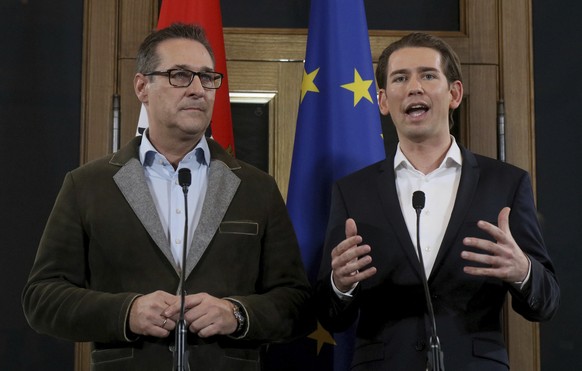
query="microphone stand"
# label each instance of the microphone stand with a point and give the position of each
(180, 351)
(501, 130)
(435, 361)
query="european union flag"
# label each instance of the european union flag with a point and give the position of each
(338, 128)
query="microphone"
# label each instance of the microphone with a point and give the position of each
(180, 352)
(435, 361)
(184, 179)
(418, 201)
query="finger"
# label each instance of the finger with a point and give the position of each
(503, 220)
(210, 330)
(476, 271)
(353, 260)
(157, 327)
(480, 243)
(346, 282)
(350, 256)
(190, 301)
(486, 259)
(170, 325)
(501, 232)
(346, 245)
(351, 228)
(158, 332)
(172, 311)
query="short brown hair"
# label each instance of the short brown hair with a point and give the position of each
(451, 64)
(147, 56)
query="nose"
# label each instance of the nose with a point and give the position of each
(196, 87)
(415, 86)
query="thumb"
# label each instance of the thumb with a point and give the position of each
(351, 228)
(503, 220)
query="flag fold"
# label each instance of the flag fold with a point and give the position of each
(338, 132)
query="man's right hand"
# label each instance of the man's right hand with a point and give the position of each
(348, 260)
(145, 315)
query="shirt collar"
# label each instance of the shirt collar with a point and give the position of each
(452, 158)
(147, 152)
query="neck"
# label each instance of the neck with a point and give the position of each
(425, 156)
(174, 149)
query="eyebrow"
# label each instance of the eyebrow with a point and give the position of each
(185, 67)
(405, 71)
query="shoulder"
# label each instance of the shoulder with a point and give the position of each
(366, 173)
(490, 165)
(109, 164)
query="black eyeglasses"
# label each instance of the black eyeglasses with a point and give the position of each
(181, 78)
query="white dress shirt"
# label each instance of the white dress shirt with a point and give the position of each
(440, 189)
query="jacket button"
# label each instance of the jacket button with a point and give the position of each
(420, 344)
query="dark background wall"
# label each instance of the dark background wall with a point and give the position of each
(40, 84)
(558, 96)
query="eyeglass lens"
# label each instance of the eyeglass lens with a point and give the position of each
(183, 78)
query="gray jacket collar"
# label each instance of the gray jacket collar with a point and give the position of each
(222, 185)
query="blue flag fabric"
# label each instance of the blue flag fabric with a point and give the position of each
(338, 126)
(338, 132)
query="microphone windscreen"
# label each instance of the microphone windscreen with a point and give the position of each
(184, 177)
(418, 200)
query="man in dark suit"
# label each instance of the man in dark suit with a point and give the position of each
(478, 233)
(108, 266)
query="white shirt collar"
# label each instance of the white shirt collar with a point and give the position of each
(452, 158)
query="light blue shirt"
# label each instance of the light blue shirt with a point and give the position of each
(168, 195)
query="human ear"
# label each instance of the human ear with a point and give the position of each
(456, 94)
(140, 86)
(383, 102)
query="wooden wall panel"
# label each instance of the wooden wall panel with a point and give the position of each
(516, 60)
(482, 100)
(517, 89)
(99, 76)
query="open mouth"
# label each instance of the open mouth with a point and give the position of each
(416, 109)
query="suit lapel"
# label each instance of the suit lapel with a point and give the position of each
(131, 181)
(467, 188)
(391, 206)
(222, 186)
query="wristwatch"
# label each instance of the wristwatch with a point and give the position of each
(239, 314)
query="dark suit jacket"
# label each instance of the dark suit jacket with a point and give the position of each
(393, 328)
(104, 245)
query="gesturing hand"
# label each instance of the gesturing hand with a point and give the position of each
(348, 260)
(504, 258)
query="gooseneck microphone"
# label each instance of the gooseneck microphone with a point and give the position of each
(180, 352)
(435, 361)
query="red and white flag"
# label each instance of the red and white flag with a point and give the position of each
(207, 14)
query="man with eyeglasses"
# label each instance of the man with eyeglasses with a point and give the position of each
(108, 267)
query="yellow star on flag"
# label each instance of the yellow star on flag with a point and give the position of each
(307, 84)
(322, 336)
(359, 87)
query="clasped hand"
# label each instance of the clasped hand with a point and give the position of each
(156, 314)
